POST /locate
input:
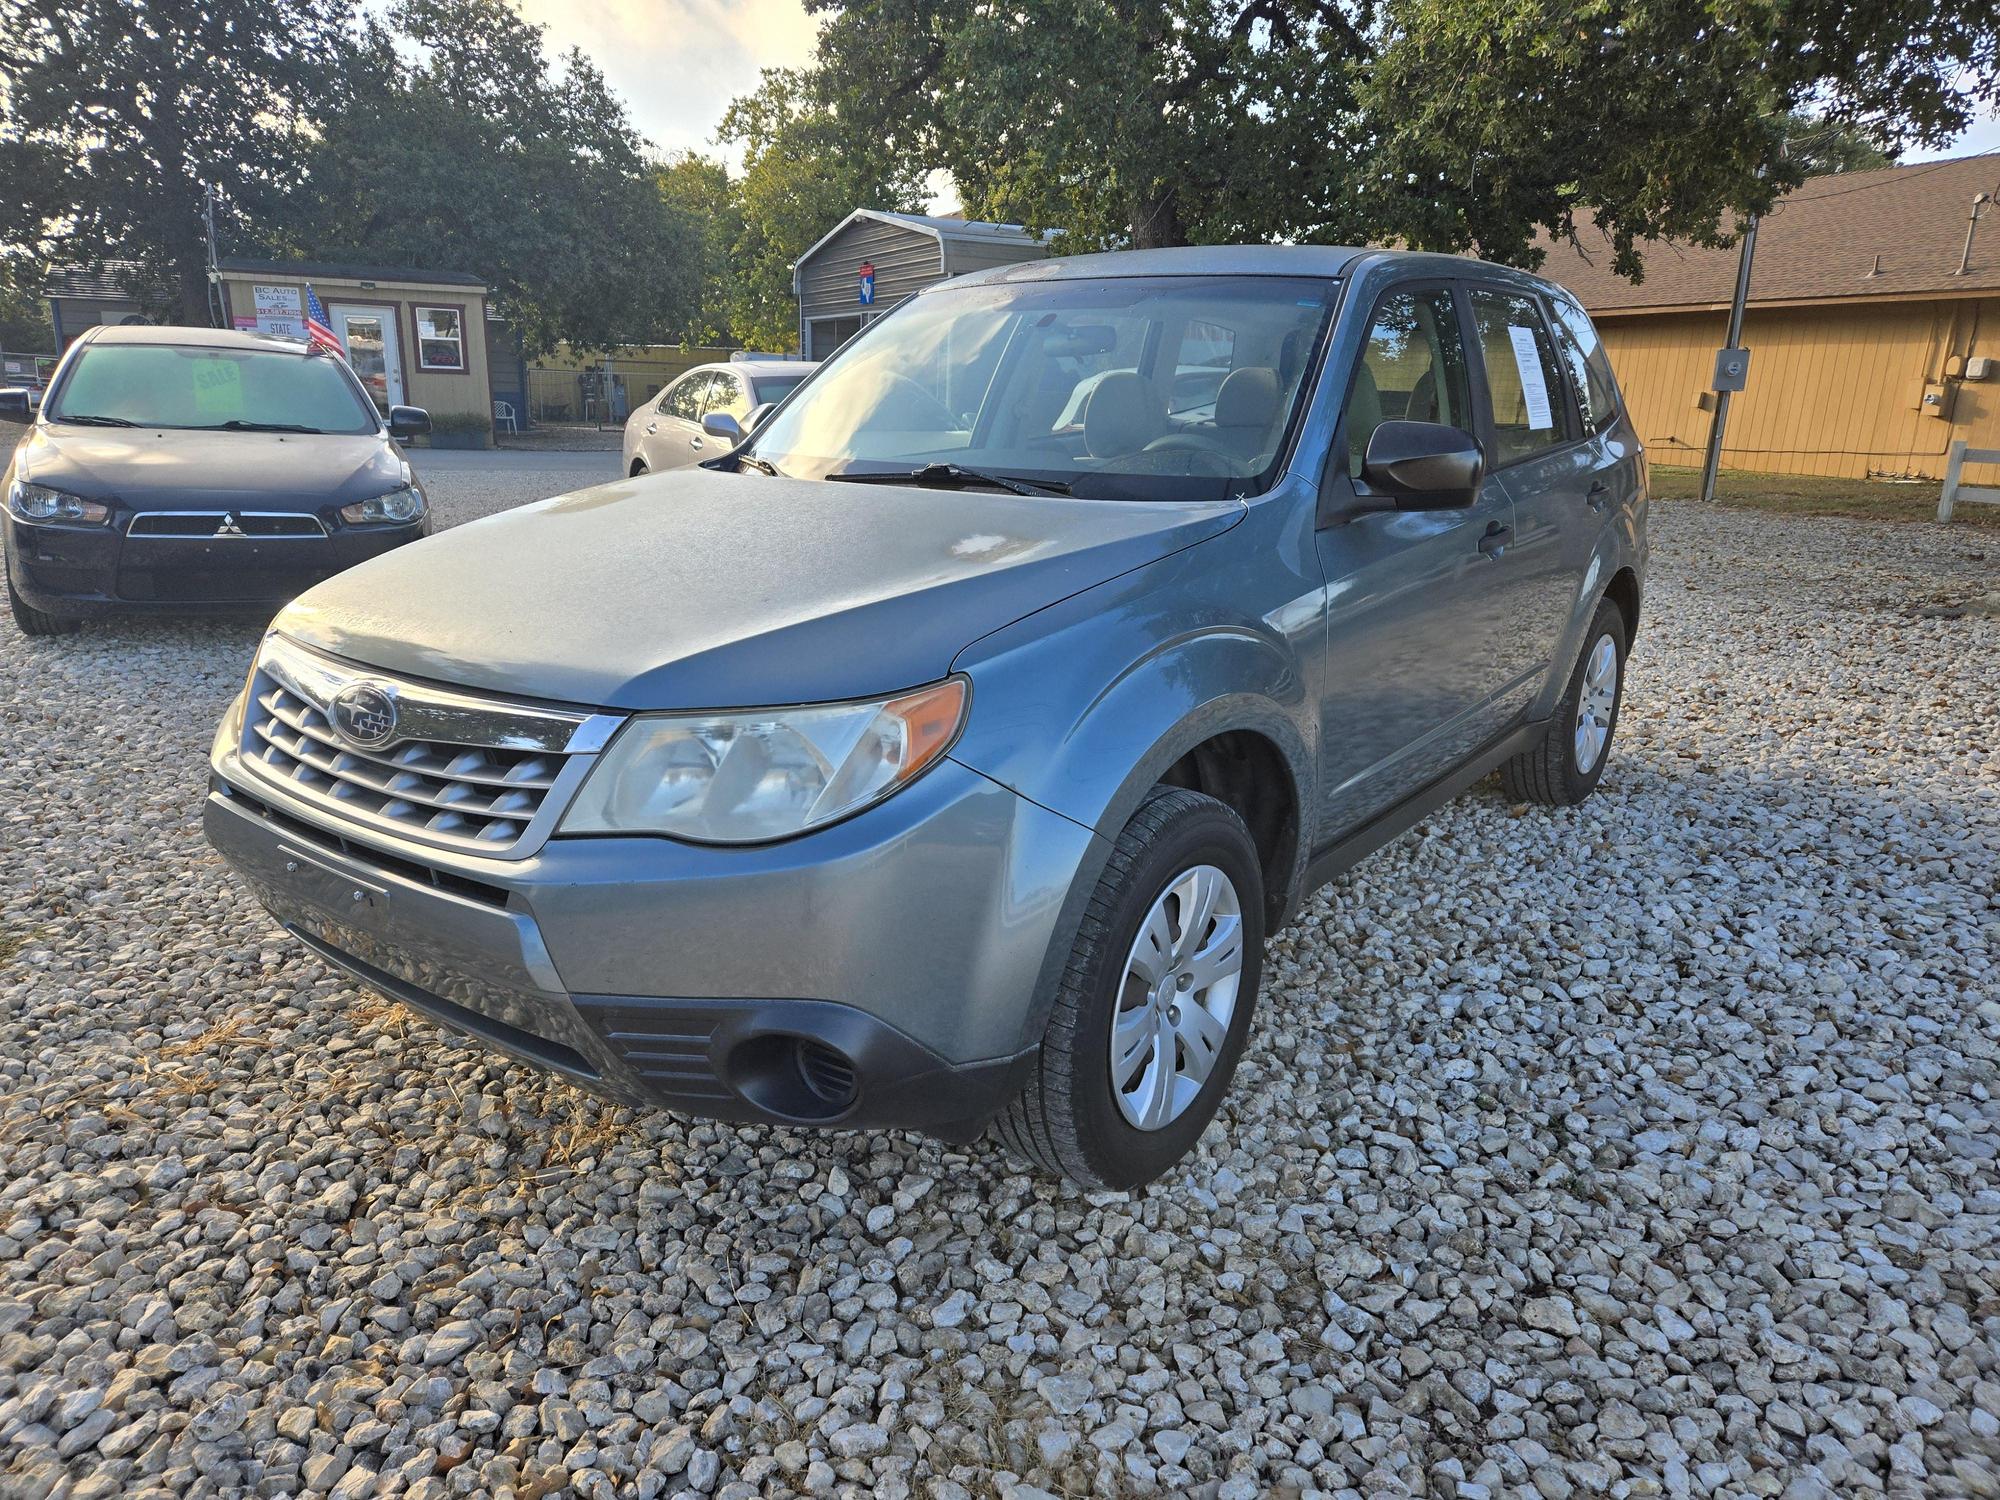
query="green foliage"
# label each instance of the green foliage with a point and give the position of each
(1816, 147)
(115, 112)
(1653, 117)
(1443, 124)
(24, 319)
(476, 155)
(699, 191)
(805, 169)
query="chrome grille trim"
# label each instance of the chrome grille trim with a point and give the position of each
(251, 526)
(472, 774)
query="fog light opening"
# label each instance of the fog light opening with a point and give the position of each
(828, 1074)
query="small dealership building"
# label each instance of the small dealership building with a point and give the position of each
(415, 337)
(1873, 326)
(872, 260)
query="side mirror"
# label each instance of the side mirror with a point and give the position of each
(408, 421)
(721, 424)
(757, 414)
(14, 405)
(1423, 466)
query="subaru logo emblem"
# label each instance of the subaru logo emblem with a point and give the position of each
(364, 714)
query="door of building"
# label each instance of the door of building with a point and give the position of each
(369, 334)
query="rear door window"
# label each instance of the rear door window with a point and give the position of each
(1412, 369)
(1585, 362)
(1524, 382)
(684, 397)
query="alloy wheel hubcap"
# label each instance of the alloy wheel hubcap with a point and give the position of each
(1596, 702)
(1176, 997)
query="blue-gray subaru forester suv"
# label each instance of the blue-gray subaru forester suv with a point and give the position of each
(942, 757)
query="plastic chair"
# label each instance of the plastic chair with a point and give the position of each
(504, 413)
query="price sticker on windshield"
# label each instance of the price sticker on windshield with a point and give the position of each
(218, 388)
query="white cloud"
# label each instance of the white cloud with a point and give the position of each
(678, 63)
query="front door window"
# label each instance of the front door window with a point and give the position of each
(370, 339)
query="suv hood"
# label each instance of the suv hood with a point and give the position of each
(699, 589)
(154, 468)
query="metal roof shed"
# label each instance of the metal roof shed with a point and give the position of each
(872, 260)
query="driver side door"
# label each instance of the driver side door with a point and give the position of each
(1415, 676)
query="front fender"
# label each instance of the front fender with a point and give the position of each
(1084, 706)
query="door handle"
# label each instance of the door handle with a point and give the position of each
(1496, 539)
(694, 442)
(1598, 496)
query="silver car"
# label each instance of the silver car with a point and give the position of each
(943, 755)
(667, 433)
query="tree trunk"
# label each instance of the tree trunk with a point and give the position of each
(191, 279)
(1156, 221)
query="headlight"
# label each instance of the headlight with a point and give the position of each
(404, 503)
(746, 778)
(45, 507)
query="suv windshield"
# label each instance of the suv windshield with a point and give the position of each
(177, 385)
(1168, 387)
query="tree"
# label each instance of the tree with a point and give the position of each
(474, 154)
(805, 169)
(24, 318)
(1443, 124)
(1142, 122)
(1815, 147)
(698, 190)
(1497, 118)
(116, 112)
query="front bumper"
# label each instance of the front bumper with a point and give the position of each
(880, 972)
(93, 570)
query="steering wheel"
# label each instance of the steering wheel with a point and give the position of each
(925, 408)
(1220, 462)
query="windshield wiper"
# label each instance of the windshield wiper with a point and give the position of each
(751, 461)
(237, 424)
(91, 419)
(955, 474)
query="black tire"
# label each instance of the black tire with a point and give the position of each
(38, 621)
(1066, 1120)
(1548, 774)
(638, 468)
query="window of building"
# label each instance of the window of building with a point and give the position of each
(440, 338)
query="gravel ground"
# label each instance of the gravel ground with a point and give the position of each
(1644, 1148)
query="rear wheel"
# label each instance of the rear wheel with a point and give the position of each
(1155, 1003)
(638, 467)
(1567, 765)
(38, 621)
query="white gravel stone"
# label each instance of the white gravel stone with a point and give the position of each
(1651, 1147)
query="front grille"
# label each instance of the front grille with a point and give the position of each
(224, 525)
(485, 796)
(478, 775)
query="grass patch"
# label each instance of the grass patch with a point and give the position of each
(1816, 495)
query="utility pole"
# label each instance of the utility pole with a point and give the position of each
(214, 273)
(1732, 361)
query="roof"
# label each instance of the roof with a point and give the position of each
(349, 271)
(756, 369)
(1184, 260)
(943, 228)
(191, 338)
(104, 282)
(1820, 241)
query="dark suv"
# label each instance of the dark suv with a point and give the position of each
(942, 756)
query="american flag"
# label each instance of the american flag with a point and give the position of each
(318, 332)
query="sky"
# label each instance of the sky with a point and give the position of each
(678, 63)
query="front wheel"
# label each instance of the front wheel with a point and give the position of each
(1155, 1002)
(38, 621)
(1566, 766)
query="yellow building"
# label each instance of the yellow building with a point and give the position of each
(1874, 334)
